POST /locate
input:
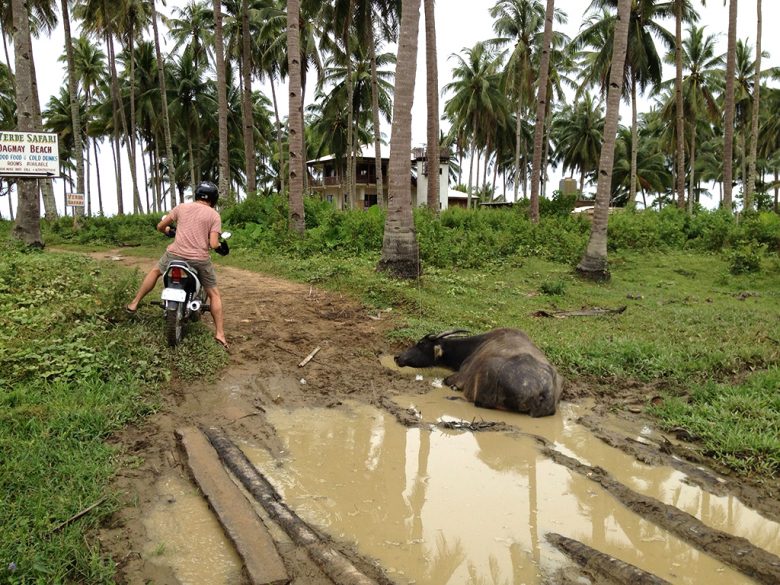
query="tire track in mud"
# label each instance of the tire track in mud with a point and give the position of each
(732, 550)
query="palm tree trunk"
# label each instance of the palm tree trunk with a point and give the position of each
(432, 98)
(279, 143)
(634, 144)
(193, 176)
(751, 184)
(224, 164)
(692, 157)
(246, 103)
(97, 176)
(679, 113)
(400, 251)
(471, 172)
(350, 106)
(728, 122)
(165, 118)
(297, 163)
(380, 196)
(27, 228)
(116, 115)
(594, 263)
(518, 136)
(541, 112)
(75, 113)
(137, 205)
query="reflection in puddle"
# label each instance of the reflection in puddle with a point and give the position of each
(448, 507)
(184, 535)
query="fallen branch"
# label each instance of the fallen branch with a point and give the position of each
(309, 357)
(595, 312)
(604, 564)
(78, 515)
(335, 565)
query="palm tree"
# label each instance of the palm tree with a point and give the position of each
(28, 212)
(74, 102)
(593, 264)
(700, 68)
(541, 111)
(219, 65)
(477, 103)
(432, 98)
(578, 133)
(728, 122)
(642, 65)
(246, 101)
(518, 23)
(679, 116)
(297, 162)
(193, 27)
(400, 252)
(751, 184)
(165, 114)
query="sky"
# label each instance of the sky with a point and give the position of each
(459, 24)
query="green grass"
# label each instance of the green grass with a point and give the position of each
(73, 371)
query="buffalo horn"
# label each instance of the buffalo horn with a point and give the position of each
(450, 333)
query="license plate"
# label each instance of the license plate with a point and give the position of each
(174, 294)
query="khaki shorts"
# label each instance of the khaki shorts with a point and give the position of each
(206, 273)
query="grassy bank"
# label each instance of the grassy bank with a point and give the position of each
(74, 371)
(701, 292)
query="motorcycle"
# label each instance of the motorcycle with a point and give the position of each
(183, 298)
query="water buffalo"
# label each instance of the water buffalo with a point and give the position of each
(500, 369)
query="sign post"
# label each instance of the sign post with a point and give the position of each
(31, 155)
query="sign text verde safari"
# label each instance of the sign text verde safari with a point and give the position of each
(29, 154)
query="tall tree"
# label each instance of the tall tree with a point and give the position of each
(224, 165)
(165, 114)
(432, 95)
(297, 156)
(28, 211)
(400, 251)
(678, 94)
(74, 102)
(593, 264)
(728, 122)
(541, 111)
(246, 101)
(751, 183)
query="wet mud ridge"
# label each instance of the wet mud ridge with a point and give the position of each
(273, 327)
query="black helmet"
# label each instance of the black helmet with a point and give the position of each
(207, 191)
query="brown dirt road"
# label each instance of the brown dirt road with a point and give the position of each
(272, 325)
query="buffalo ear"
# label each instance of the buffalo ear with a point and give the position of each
(437, 351)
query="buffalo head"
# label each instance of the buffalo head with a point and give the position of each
(426, 352)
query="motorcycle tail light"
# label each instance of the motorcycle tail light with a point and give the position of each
(176, 274)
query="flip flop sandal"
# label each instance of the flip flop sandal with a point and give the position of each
(130, 311)
(222, 344)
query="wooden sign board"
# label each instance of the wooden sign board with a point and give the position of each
(74, 199)
(29, 154)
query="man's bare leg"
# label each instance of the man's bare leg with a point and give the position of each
(146, 287)
(215, 300)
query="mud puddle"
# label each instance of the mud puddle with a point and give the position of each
(185, 538)
(438, 506)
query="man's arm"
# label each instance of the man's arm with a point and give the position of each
(213, 240)
(165, 224)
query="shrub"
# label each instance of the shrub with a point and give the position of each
(745, 258)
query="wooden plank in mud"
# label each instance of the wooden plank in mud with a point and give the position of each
(605, 565)
(250, 537)
(333, 563)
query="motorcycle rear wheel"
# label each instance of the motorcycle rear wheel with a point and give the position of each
(174, 324)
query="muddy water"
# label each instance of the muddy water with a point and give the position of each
(445, 507)
(184, 535)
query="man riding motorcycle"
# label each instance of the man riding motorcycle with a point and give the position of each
(198, 226)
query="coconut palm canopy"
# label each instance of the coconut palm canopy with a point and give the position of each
(346, 54)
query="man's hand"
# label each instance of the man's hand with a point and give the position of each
(222, 249)
(170, 232)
